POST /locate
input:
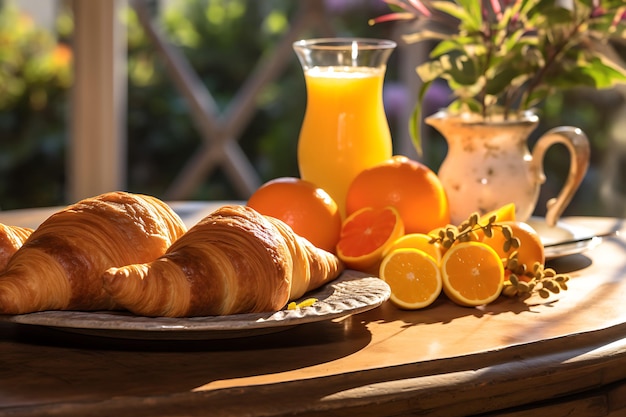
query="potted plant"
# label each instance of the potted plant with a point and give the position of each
(501, 58)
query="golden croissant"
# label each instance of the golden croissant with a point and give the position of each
(11, 239)
(235, 260)
(61, 264)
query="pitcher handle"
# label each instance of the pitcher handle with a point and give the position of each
(577, 144)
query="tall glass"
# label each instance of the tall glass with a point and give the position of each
(345, 128)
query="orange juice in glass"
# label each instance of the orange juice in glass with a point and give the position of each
(345, 128)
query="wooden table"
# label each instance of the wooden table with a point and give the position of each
(563, 357)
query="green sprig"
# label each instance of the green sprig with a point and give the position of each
(522, 282)
(541, 280)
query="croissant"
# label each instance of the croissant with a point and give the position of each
(60, 266)
(11, 239)
(235, 260)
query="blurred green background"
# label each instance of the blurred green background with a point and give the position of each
(223, 40)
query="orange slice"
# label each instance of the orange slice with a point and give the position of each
(366, 234)
(413, 276)
(419, 241)
(506, 213)
(472, 274)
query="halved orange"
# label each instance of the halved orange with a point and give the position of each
(413, 276)
(366, 234)
(419, 241)
(472, 274)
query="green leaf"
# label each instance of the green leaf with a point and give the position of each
(431, 70)
(504, 79)
(445, 47)
(535, 97)
(509, 14)
(604, 72)
(415, 120)
(474, 9)
(469, 104)
(424, 35)
(465, 13)
(460, 45)
(464, 71)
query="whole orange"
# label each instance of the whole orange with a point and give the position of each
(409, 186)
(531, 249)
(308, 209)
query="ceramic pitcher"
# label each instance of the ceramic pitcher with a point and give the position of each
(489, 164)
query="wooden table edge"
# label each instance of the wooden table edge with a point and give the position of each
(592, 362)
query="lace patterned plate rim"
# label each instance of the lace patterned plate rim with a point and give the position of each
(352, 292)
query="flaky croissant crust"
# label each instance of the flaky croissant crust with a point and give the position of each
(233, 261)
(11, 239)
(60, 266)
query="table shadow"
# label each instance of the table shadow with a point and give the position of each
(50, 365)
